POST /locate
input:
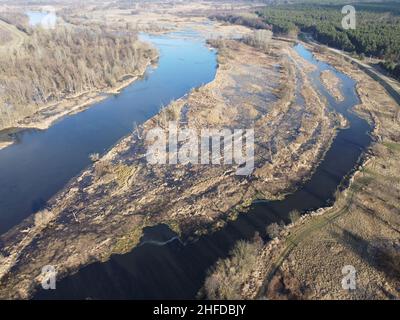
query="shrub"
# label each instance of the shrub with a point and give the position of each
(294, 216)
(273, 230)
(226, 279)
(102, 168)
(43, 217)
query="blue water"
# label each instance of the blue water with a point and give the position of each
(42, 162)
(37, 18)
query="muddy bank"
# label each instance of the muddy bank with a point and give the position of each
(5, 141)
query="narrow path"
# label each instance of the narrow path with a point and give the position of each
(304, 231)
(18, 36)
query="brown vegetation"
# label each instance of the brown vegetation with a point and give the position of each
(260, 39)
(5, 36)
(226, 277)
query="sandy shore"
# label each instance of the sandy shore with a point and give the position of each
(5, 144)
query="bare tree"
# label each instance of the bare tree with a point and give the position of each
(66, 62)
(273, 230)
(260, 39)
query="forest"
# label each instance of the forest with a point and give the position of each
(248, 21)
(377, 32)
(55, 64)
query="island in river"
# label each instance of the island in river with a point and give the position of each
(105, 209)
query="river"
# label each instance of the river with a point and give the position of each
(163, 267)
(41, 163)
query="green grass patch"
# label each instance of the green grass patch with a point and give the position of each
(393, 146)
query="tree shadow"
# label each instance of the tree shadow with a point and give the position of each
(381, 253)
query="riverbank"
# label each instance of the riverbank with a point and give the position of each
(50, 114)
(101, 212)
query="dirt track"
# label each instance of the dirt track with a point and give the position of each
(17, 35)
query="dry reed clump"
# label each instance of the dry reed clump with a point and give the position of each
(223, 51)
(43, 217)
(94, 157)
(101, 168)
(225, 280)
(119, 172)
(294, 216)
(273, 230)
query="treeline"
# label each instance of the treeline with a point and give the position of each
(55, 64)
(248, 21)
(377, 31)
(392, 68)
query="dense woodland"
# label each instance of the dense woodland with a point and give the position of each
(54, 64)
(248, 21)
(377, 32)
